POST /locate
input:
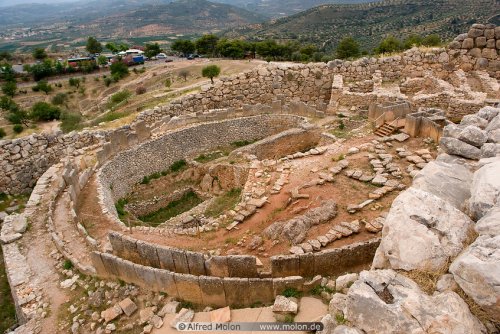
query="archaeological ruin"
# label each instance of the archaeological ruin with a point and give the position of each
(358, 182)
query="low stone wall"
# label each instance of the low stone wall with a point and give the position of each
(331, 262)
(282, 144)
(202, 290)
(118, 175)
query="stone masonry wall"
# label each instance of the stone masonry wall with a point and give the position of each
(118, 175)
(332, 261)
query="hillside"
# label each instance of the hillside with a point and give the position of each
(111, 17)
(284, 7)
(326, 25)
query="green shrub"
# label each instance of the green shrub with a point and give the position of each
(42, 86)
(2, 133)
(291, 292)
(178, 165)
(120, 96)
(118, 70)
(107, 81)
(59, 99)
(17, 128)
(70, 121)
(120, 208)
(67, 264)
(43, 111)
(210, 71)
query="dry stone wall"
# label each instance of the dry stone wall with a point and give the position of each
(332, 262)
(118, 175)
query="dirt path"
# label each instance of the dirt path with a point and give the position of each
(63, 224)
(39, 246)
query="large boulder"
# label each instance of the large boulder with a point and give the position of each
(457, 147)
(494, 124)
(383, 301)
(422, 231)
(448, 181)
(490, 223)
(488, 113)
(485, 189)
(473, 135)
(477, 271)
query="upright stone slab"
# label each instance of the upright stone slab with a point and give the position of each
(196, 263)
(130, 249)
(306, 265)
(142, 131)
(217, 266)
(100, 269)
(237, 291)
(126, 271)
(242, 266)
(326, 261)
(180, 261)
(283, 283)
(212, 291)
(261, 290)
(148, 254)
(166, 283)
(188, 288)
(285, 265)
(109, 262)
(147, 276)
(165, 258)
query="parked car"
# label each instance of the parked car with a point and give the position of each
(161, 56)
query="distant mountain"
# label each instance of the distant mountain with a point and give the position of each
(280, 8)
(326, 25)
(8, 3)
(120, 18)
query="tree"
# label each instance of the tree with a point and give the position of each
(39, 54)
(207, 44)
(14, 114)
(210, 71)
(348, 48)
(118, 70)
(234, 49)
(432, 40)
(4, 55)
(111, 47)
(43, 111)
(152, 50)
(102, 60)
(308, 50)
(42, 86)
(42, 70)
(183, 46)
(390, 44)
(411, 41)
(9, 88)
(184, 74)
(93, 45)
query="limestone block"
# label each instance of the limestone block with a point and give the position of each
(307, 265)
(148, 254)
(282, 283)
(196, 263)
(217, 266)
(212, 290)
(147, 277)
(180, 261)
(109, 263)
(98, 264)
(188, 288)
(237, 291)
(165, 258)
(285, 265)
(261, 290)
(242, 266)
(165, 282)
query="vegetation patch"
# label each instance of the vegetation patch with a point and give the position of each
(291, 292)
(242, 143)
(188, 201)
(204, 158)
(176, 167)
(7, 308)
(120, 208)
(223, 203)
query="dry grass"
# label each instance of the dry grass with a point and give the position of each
(426, 280)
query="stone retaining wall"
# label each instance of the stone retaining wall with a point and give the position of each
(202, 290)
(327, 262)
(127, 168)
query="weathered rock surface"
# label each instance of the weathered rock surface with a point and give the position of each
(456, 147)
(449, 181)
(477, 271)
(382, 301)
(421, 231)
(485, 190)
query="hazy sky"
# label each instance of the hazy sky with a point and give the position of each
(4, 3)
